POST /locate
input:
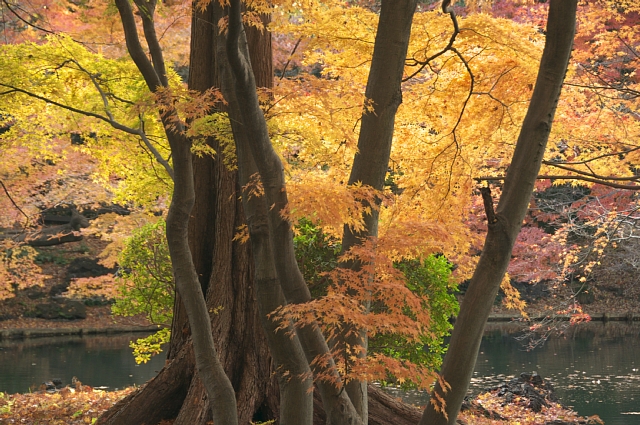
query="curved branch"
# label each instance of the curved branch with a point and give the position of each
(135, 48)
(456, 30)
(6, 191)
(6, 3)
(110, 121)
(147, 9)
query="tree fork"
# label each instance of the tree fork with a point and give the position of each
(214, 218)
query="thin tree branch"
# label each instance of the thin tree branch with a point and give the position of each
(580, 178)
(6, 3)
(448, 47)
(14, 202)
(136, 132)
(284, 70)
(147, 9)
(135, 48)
(595, 158)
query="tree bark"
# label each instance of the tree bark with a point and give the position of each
(374, 144)
(209, 368)
(225, 273)
(225, 267)
(383, 409)
(337, 405)
(291, 368)
(503, 229)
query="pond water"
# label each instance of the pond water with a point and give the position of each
(595, 368)
(99, 361)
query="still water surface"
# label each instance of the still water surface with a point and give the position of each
(94, 360)
(595, 368)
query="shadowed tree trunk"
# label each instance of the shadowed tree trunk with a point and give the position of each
(225, 272)
(384, 89)
(504, 224)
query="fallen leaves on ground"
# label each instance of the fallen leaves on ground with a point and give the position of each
(71, 407)
(64, 407)
(518, 413)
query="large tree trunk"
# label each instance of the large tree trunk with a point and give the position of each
(225, 273)
(383, 409)
(504, 225)
(384, 89)
(218, 387)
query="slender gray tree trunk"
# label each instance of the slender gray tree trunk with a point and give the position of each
(371, 162)
(504, 225)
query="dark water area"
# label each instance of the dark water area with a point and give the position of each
(594, 367)
(98, 361)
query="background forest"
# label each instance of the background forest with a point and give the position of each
(82, 129)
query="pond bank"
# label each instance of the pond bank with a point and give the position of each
(82, 330)
(35, 333)
(603, 317)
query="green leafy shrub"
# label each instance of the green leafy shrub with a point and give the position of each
(146, 285)
(430, 277)
(317, 253)
(145, 277)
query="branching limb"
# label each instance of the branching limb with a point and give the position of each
(115, 124)
(456, 30)
(488, 204)
(135, 48)
(30, 24)
(147, 8)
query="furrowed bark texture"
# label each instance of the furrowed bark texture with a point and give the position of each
(210, 371)
(374, 143)
(224, 266)
(460, 360)
(337, 405)
(291, 367)
(230, 289)
(383, 410)
(294, 376)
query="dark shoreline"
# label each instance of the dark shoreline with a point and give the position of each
(494, 318)
(44, 332)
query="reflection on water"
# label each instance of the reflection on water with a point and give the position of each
(594, 367)
(94, 360)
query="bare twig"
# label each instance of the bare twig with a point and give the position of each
(6, 191)
(581, 178)
(284, 70)
(448, 47)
